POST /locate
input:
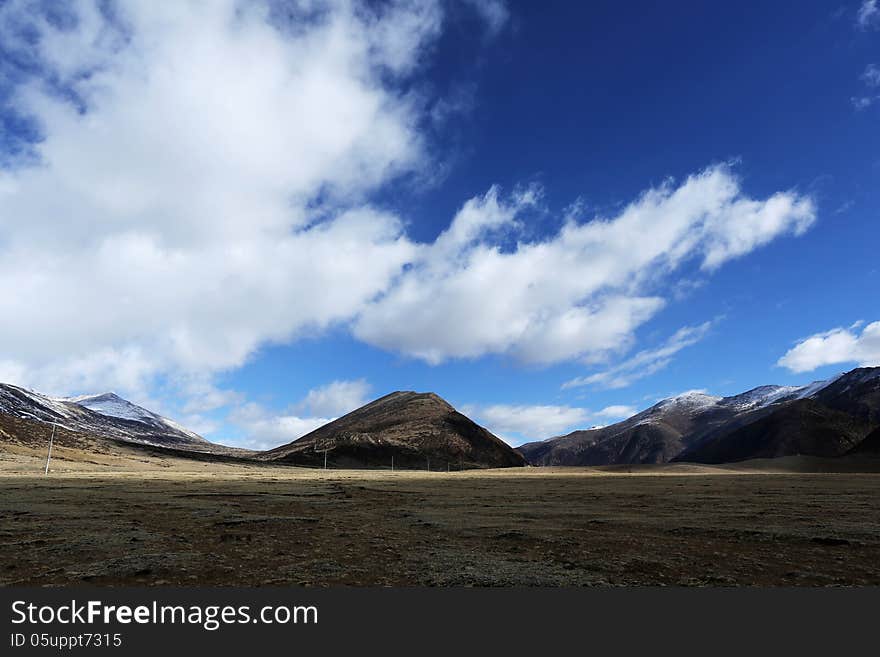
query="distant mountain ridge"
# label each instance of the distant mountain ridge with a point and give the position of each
(836, 417)
(416, 430)
(110, 404)
(106, 414)
(825, 418)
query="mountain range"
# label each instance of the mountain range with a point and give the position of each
(106, 415)
(411, 430)
(826, 418)
(407, 429)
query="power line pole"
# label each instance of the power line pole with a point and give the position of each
(49, 454)
(325, 458)
(392, 463)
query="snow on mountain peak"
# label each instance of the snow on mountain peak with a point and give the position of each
(760, 396)
(112, 405)
(692, 398)
(812, 388)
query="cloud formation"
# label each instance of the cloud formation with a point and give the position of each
(202, 187)
(266, 429)
(871, 76)
(336, 398)
(520, 423)
(493, 12)
(868, 14)
(528, 421)
(201, 180)
(617, 412)
(837, 346)
(579, 293)
(645, 362)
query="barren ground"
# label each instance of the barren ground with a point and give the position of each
(151, 521)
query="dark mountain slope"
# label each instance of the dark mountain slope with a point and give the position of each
(801, 427)
(830, 422)
(107, 416)
(655, 435)
(870, 445)
(413, 428)
(826, 418)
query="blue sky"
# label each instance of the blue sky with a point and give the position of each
(257, 216)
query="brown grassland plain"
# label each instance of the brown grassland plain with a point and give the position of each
(130, 518)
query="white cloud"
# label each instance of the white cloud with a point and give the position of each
(839, 345)
(579, 293)
(860, 103)
(528, 421)
(868, 14)
(265, 429)
(645, 362)
(871, 78)
(336, 398)
(208, 198)
(517, 424)
(201, 192)
(200, 395)
(618, 412)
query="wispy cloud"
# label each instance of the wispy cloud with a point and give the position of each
(645, 362)
(860, 103)
(265, 428)
(521, 423)
(617, 412)
(493, 12)
(868, 14)
(528, 421)
(336, 398)
(871, 76)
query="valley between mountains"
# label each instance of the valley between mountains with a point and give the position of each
(775, 487)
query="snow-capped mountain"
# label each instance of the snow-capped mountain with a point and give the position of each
(759, 397)
(693, 399)
(106, 415)
(112, 405)
(824, 418)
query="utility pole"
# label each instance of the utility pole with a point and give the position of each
(325, 454)
(392, 463)
(49, 455)
(429, 463)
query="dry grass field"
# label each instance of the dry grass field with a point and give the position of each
(131, 518)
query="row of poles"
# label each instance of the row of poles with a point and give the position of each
(55, 425)
(427, 462)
